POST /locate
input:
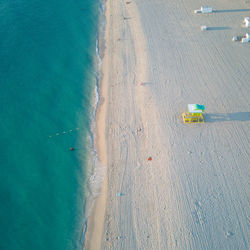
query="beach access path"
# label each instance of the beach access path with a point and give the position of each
(194, 191)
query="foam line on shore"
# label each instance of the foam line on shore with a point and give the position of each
(98, 170)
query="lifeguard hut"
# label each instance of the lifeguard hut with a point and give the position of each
(194, 114)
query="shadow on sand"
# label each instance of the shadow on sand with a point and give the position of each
(218, 28)
(220, 117)
(235, 10)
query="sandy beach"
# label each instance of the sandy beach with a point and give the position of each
(193, 193)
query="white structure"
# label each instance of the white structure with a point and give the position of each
(204, 10)
(203, 27)
(246, 22)
(246, 38)
(235, 38)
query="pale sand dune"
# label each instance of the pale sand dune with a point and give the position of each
(194, 194)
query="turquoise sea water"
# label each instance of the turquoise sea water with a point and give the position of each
(47, 80)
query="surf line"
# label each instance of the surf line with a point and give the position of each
(64, 132)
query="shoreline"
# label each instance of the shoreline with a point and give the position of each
(95, 220)
(95, 223)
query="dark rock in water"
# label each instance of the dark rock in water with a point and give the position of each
(71, 149)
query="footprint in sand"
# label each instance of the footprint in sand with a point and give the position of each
(198, 214)
(197, 204)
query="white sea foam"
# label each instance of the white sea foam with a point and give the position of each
(97, 171)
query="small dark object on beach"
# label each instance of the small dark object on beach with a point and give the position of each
(128, 2)
(150, 158)
(71, 149)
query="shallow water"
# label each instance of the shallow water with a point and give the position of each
(47, 81)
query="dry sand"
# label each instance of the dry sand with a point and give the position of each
(194, 194)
